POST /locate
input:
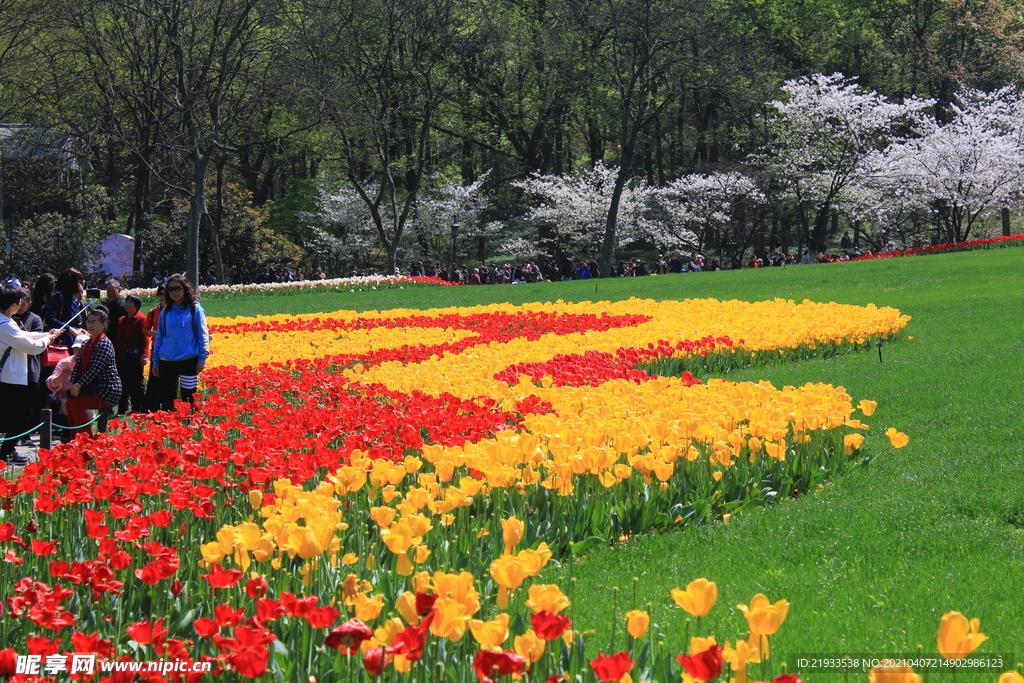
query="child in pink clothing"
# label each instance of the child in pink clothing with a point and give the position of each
(60, 381)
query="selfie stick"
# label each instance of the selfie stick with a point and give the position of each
(86, 308)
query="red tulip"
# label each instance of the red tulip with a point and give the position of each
(549, 626)
(222, 578)
(349, 636)
(611, 668)
(374, 661)
(704, 666)
(490, 665)
(256, 588)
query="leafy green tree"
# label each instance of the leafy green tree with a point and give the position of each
(378, 69)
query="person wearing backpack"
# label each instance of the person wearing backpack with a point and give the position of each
(182, 343)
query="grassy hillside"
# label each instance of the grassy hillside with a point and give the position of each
(871, 562)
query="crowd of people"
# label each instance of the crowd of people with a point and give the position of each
(87, 361)
(558, 270)
(574, 268)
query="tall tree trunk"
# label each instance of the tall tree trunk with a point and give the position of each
(197, 207)
(611, 224)
(215, 225)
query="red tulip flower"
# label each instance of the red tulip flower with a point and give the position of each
(611, 668)
(490, 665)
(549, 626)
(374, 661)
(349, 636)
(704, 666)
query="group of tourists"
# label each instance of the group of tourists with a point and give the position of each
(558, 270)
(86, 361)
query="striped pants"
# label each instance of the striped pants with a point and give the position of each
(173, 372)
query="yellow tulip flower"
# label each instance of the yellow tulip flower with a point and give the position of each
(896, 438)
(637, 622)
(367, 608)
(958, 637)
(698, 598)
(490, 634)
(763, 617)
(1011, 677)
(531, 646)
(546, 598)
(406, 606)
(512, 530)
(852, 442)
(450, 619)
(699, 644)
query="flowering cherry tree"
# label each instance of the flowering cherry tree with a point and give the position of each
(344, 227)
(344, 224)
(696, 206)
(824, 135)
(577, 206)
(440, 205)
(967, 168)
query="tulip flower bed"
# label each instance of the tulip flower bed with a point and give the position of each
(949, 247)
(373, 495)
(361, 283)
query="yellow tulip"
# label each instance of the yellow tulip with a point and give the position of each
(637, 622)
(367, 608)
(958, 637)
(450, 619)
(490, 634)
(867, 407)
(406, 606)
(1011, 677)
(893, 674)
(546, 598)
(698, 598)
(213, 552)
(763, 617)
(512, 530)
(533, 560)
(852, 442)
(738, 657)
(896, 438)
(531, 646)
(302, 541)
(384, 516)
(508, 571)
(699, 644)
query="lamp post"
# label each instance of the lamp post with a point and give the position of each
(455, 236)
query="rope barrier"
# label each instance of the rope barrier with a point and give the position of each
(98, 416)
(11, 438)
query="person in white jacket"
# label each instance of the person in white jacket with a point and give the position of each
(16, 346)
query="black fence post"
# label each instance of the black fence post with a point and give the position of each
(46, 430)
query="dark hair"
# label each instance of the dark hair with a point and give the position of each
(102, 313)
(10, 295)
(131, 298)
(190, 293)
(67, 283)
(42, 289)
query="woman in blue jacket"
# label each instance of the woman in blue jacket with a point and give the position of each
(181, 344)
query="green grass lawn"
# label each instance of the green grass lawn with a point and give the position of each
(871, 562)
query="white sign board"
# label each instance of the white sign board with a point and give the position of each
(116, 254)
